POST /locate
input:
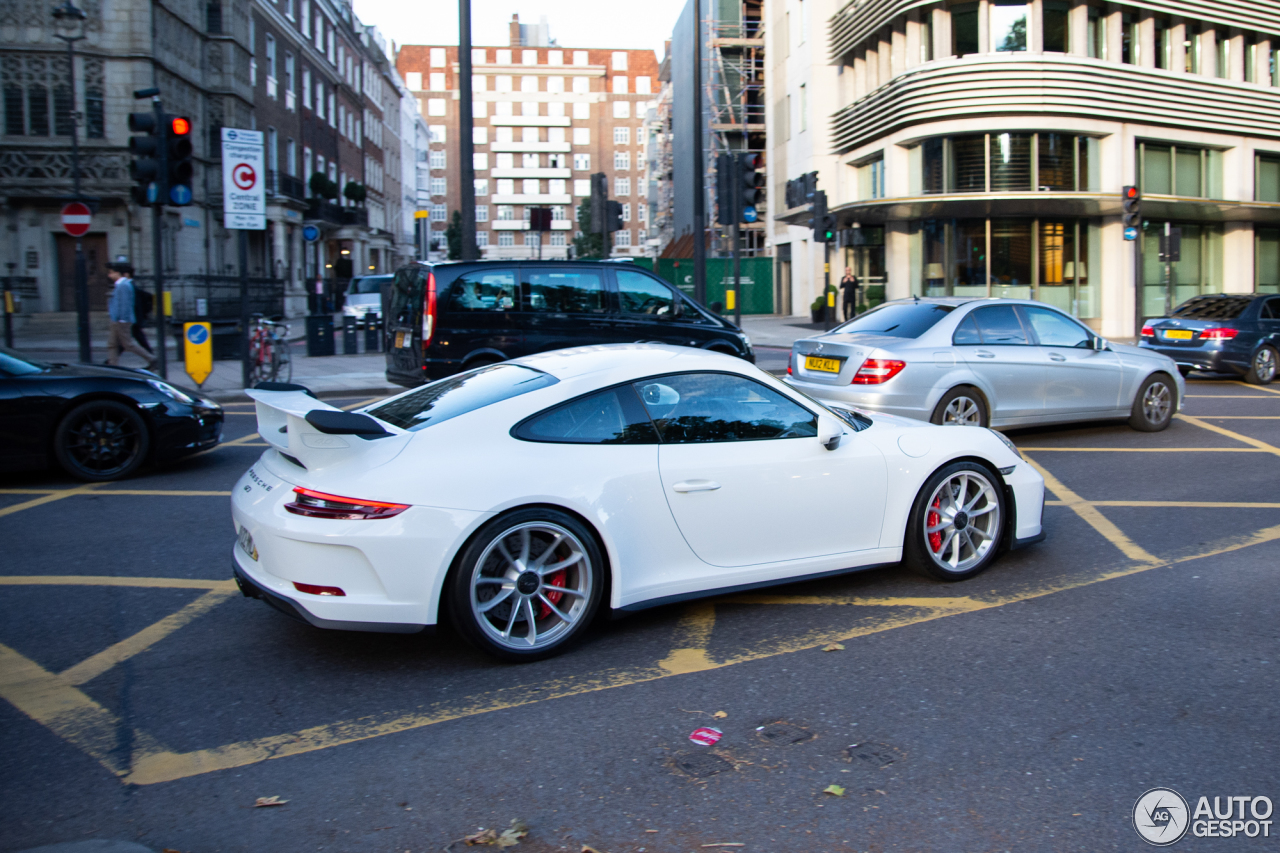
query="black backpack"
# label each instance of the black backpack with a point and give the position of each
(142, 303)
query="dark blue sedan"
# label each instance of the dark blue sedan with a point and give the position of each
(1222, 333)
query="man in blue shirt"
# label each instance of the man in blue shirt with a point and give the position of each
(120, 308)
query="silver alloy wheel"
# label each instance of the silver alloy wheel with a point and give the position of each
(1156, 403)
(1264, 365)
(962, 521)
(531, 585)
(962, 411)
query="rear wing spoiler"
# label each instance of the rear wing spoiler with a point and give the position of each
(283, 424)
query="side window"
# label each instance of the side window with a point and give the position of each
(1056, 330)
(486, 290)
(1270, 309)
(640, 294)
(608, 417)
(406, 291)
(966, 333)
(697, 407)
(566, 291)
(1000, 326)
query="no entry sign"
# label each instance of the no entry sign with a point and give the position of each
(76, 219)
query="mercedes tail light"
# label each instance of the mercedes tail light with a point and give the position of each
(1148, 332)
(320, 505)
(874, 371)
(429, 312)
(1218, 334)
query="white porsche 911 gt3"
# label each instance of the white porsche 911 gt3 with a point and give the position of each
(514, 499)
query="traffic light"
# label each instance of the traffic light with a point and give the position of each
(822, 222)
(751, 182)
(179, 166)
(613, 222)
(1132, 197)
(147, 155)
(599, 201)
(726, 183)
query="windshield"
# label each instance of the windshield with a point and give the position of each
(897, 319)
(457, 395)
(16, 365)
(1213, 307)
(368, 284)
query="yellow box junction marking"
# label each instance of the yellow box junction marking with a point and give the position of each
(1253, 442)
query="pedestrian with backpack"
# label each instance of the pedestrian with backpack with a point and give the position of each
(120, 309)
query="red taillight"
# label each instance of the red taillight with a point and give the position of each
(320, 505)
(1148, 332)
(1218, 334)
(877, 370)
(312, 589)
(429, 311)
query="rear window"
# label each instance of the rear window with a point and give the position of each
(898, 319)
(1213, 307)
(368, 284)
(438, 402)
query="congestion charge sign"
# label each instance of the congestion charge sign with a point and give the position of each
(244, 197)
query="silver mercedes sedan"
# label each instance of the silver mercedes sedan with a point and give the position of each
(985, 362)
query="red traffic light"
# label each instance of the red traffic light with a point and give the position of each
(180, 126)
(1131, 192)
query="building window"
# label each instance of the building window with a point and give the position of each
(1008, 25)
(1223, 64)
(532, 238)
(582, 162)
(436, 81)
(482, 213)
(480, 161)
(619, 60)
(1130, 40)
(1096, 34)
(1056, 32)
(582, 187)
(435, 106)
(964, 29)
(644, 86)
(1163, 45)
(1180, 170)
(1266, 262)
(1008, 162)
(871, 179)
(622, 161)
(622, 239)
(439, 213)
(506, 238)
(506, 213)
(621, 187)
(437, 57)
(1267, 178)
(1199, 271)
(626, 213)
(528, 83)
(506, 187)
(270, 54)
(622, 136)
(558, 213)
(482, 187)
(290, 98)
(437, 158)
(620, 85)
(558, 239)
(581, 136)
(530, 186)
(439, 186)
(582, 111)
(621, 109)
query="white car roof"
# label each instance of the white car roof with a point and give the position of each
(610, 363)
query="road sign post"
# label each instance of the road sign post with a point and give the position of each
(197, 354)
(244, 209)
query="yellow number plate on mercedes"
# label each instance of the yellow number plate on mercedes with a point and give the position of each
(1178, 334)
(826, 365)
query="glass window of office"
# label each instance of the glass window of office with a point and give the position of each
(1198, 270)
(1096, 33)
(1266, 264)
(871, 179)
(1130, 40)
(1266, 178)
(1008, 25)
(964, 29)
(1056, 31)
(1180, 170)
(1041, 259)
(1008, 162)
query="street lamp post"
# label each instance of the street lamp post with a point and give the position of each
(69, 25)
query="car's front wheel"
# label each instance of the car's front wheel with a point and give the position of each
(101, 440)
(1155, 404)
(527, 585)
(956, 523)
(1262, 370)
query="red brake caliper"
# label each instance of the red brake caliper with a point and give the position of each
(555, 579)
(931, 518)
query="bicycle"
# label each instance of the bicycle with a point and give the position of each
(269, 356)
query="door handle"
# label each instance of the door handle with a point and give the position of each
(1053, 356)
(984, 354)
(696, 486)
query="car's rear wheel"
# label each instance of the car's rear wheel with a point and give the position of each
(961, 406)
(1155, 404)
(1262, 370)
(527, 585)
(956, 523)
(101, 440)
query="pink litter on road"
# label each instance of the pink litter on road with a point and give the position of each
(706, 736)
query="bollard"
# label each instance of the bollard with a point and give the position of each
(349, 335)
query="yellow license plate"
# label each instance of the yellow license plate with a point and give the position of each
(399, 340)
(1178, 335)
(826, 365)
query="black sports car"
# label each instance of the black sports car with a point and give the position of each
(97, 422)
(1222, 333)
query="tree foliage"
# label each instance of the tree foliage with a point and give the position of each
(453, 236)
(587, 244)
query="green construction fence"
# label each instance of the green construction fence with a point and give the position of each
(756, 291)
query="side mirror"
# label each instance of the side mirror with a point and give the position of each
(829, 432)
(1100, 344)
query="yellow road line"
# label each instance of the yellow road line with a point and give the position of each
(694, 633)
(1146, 449)
(1257, 387)
(1195, 504)
(363, 403)
(91, 668)
(166, 493)
(1093, 518)
(49, 498)
(153, 768)
(108, 580)
(1240, 417)
(957, 604)
(1260, 445)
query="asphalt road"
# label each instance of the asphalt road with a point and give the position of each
(1024, 710)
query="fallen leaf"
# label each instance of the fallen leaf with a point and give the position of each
(834, 789)
(488, 836)
(720, 715)
(263, 802)
(833, 647)
(586, 849)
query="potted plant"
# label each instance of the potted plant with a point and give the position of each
(818, 309)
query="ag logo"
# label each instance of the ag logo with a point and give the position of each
(1161, 817)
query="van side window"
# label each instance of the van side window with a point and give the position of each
(487, 290)
(640, 294)
(564, 291)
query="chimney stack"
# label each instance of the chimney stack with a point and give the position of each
(515, 30)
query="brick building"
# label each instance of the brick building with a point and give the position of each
(546, 118)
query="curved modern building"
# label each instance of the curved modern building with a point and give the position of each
(980, 148)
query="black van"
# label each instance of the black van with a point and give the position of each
(445, 318)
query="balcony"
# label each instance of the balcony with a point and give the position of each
(530, 198)
(325, 211)
(529, 121)
(531, 147)
(495, 172)
(287, 186)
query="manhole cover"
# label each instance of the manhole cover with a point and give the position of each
(700, 765)
(871, 756)
(783, 734)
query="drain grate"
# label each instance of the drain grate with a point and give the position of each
(871, 756)
(700, 765)
(783, 734)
